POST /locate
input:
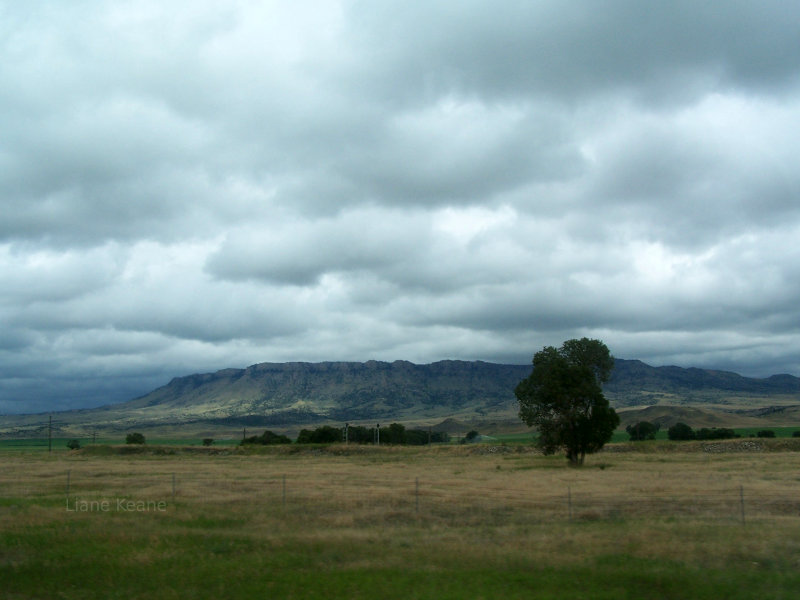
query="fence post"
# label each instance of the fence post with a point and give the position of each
(569, 501)
(741, 502)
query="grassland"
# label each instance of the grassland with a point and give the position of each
(361, 522)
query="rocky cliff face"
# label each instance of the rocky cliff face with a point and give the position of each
(342, 390)
(402, 390)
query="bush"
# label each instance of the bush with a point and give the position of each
(321, 435)
(796, 434)
(360, 435)
(716, 434)
(472, 436)
(643, 430)
(440, 437)
(766, 433)
(394, 434)
(208, 441)
(267, 438)
(680, 431)
(74, 445)
(134, 438)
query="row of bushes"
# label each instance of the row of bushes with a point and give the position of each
(398, 434)
(644, 430)
(393, 434)
(681, 431)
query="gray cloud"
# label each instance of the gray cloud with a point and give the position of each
(656, 53)
(194, 186)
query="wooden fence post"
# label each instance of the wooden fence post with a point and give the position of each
(569, 501)
(741, 502)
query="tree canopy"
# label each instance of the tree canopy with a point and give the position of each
(563, 398)
(680, 431)
(642, 430)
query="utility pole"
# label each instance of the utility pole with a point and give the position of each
(346, 426)
(378, 433)
(50, 434)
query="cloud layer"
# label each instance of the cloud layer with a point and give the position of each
(191, 186)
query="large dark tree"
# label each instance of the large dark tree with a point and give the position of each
(563, 398)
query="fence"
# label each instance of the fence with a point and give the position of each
(374, 498)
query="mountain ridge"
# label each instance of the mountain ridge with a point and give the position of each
(294, 394)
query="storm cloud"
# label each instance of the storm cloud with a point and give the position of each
(189, 186)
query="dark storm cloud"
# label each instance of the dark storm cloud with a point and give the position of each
(191, 186)
(652, 52)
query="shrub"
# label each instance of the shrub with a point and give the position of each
(715, 433)
(643, 430)
(321, 435)
(134, 438)
(208, 441)
(267, 438)
(766, 433)
(680, 431)
(440, 437)
(73, 445)
(394, 434)
(360, 434)
(796, 434)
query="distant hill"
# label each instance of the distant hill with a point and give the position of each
(291, 395)
(634, 383)
(667, 416)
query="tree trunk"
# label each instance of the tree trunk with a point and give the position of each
(575, 458)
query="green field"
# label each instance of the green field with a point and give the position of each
(362, 522)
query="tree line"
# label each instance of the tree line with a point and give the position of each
(645, 430)
(395, 434)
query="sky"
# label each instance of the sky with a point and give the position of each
(187, 186)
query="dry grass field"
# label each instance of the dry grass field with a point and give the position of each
(698, 521)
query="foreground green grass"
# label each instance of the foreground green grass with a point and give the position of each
(213, 557)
